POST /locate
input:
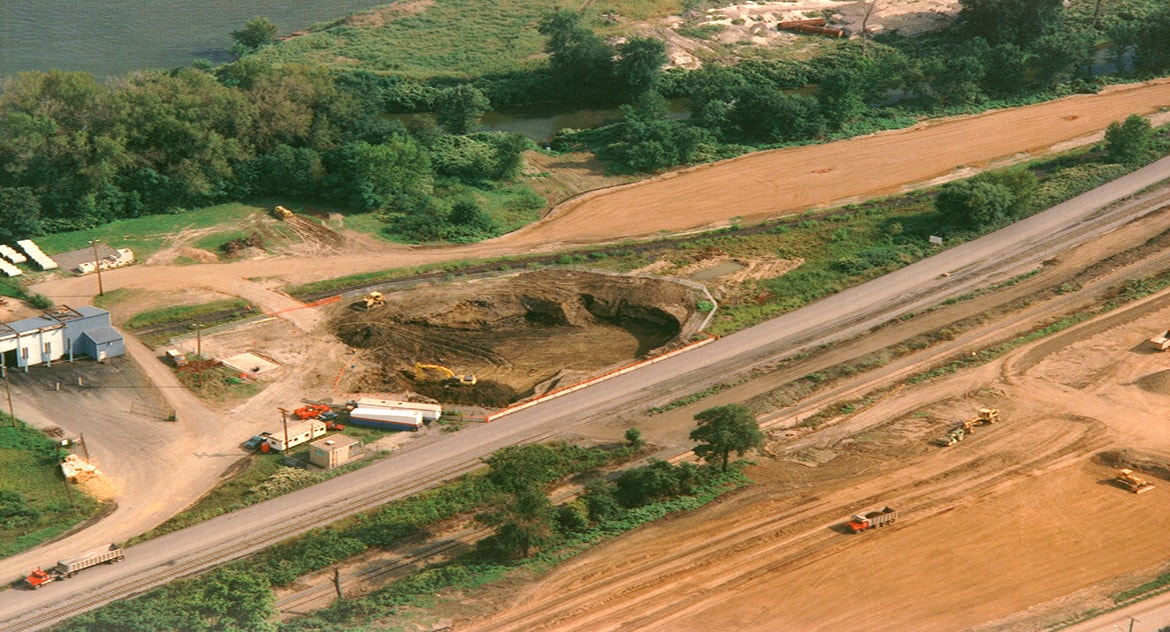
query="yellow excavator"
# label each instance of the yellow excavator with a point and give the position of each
(449, 376)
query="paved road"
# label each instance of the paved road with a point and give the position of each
(845, 314)
(1144, 616)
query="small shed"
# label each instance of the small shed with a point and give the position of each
(334, 451)
(102, 343)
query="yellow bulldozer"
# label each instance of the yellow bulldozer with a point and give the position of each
(987, 416)
(372, 300)
(282, 213)
(449, 376)
(1134, 483)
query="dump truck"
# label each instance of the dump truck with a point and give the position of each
(872, 520)
(1161, 342)
(70, 567)
(1134, 483)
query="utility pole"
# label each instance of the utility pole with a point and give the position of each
(8, 393)
(198, 340)
(284, 422)
(97, 265)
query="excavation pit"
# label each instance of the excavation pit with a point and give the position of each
(519, 335)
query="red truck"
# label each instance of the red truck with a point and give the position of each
(69, 567)
(873, 519)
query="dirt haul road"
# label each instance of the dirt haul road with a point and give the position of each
(752, 187)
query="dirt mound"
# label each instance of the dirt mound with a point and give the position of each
(1155, 382)
(518, 335)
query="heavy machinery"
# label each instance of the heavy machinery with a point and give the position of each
(449, 376)
(372, 300)
(282, 213)
(987, 416)
(1134, 483)
(1161, 342)
(872, 520)
(312, 411)
(68, 568)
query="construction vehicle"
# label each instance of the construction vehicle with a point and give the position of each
(872, 520)
(987, 416)
(449, 376)
(178, 358)
(282, 213)
(68, 568)
(312, 411)
(1161, 342)
(371, 300)
(1134, 483)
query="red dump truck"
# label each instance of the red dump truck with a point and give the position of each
(68, 568)
(873, 519)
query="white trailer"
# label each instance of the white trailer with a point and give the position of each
(430, 412)
(386, 418)
(302, 432)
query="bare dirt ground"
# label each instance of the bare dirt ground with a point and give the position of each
(520, 335)
(996, 532)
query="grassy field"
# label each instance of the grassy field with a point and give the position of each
(453, 38)
(35, 503)
(146, 235)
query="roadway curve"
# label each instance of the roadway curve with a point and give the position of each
(232, 536)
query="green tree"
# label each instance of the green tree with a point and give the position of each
(1011, 21)
(390, 172)
(1129, 142)
(639, 66)
(726, 429)
(257, 32)
(458, 109)
(1152, 46)
(975, 203)
(634, 438)
(582, 62)
(522, 524)
(20, 214)
(1058, 56)
(773, 116)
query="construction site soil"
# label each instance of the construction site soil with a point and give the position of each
(1013, 528)
(520, 335)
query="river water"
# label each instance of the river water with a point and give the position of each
(113, 37)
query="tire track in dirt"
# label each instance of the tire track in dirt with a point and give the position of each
(659, 590)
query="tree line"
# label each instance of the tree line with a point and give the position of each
(76, 153)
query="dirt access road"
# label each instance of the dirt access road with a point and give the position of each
(752, 187)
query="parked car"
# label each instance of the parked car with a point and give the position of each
(255, 441)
